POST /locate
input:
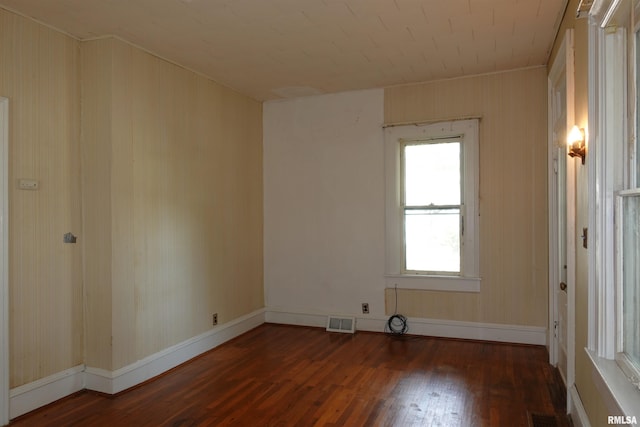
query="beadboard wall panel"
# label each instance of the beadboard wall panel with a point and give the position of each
(96, 66)
(513, 193)
(39, 73)
(185, 185)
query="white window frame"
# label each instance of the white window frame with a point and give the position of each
(469, 278)
(404, 144)
(629, 369)
(611, 136)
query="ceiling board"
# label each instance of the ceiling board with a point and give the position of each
(269, 49)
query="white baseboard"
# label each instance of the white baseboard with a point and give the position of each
(417, 326)
(112, 382)
(319, 320)
(576, 409)
(33, 395)
(518, 334)
(298, 318)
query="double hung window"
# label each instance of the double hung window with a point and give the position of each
(628, 236)
(614, 203)
(431, 206)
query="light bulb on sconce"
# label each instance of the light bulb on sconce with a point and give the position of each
(576, 143)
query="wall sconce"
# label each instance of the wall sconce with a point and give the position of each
(576, 143)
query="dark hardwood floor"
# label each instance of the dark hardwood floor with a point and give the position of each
(279, 375)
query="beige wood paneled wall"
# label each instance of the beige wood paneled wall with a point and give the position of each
(172, 171)
(96, 66)
(39, 73)
(513, 193)
(167, 205)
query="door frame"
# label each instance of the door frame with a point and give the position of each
(563, 63)
(4, 261)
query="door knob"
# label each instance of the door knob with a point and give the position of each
(563, 286)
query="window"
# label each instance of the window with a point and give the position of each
(628, 355)
(431, 206)
(628, 233)
(614, 203)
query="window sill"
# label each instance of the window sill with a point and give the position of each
(433, 283)
(618, 394)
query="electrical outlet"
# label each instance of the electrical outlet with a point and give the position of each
(365, 308)
(215, 319)
(28, 184)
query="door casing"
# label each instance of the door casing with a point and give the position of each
(563, 67)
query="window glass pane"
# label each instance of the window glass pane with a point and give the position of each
(631, 277)
(432, 174)
(432, 240)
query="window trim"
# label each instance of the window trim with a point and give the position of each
(607, 172)
(468, 280)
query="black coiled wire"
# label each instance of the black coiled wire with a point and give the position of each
(397, 324)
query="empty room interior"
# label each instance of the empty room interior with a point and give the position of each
(186, 184)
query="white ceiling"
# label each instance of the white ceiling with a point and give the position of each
(271, 49)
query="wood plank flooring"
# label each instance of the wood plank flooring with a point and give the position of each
(278, 375)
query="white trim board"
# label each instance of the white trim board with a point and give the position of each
(576, 409)
(112, 382)
(319, 319)
(618, 394)
(516, 334)
(561, 116)
(39, 393)
(34, 395)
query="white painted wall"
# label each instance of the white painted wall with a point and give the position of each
(324, 203)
